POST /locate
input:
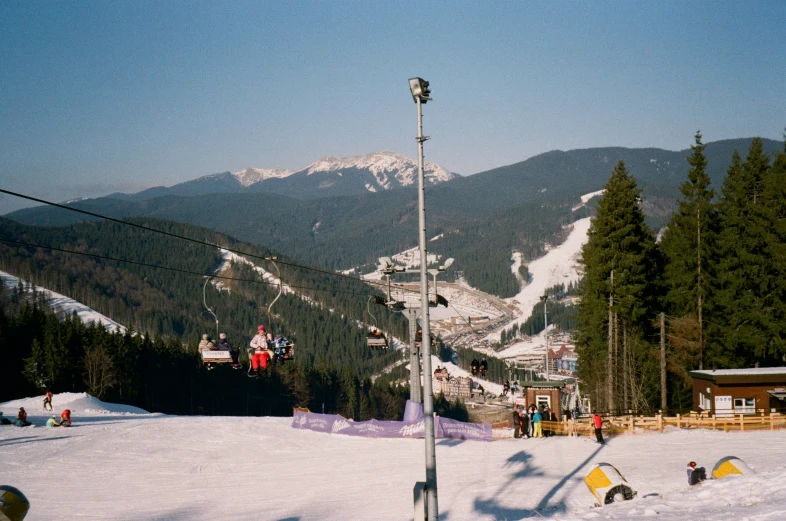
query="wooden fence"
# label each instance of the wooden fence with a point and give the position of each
(632, 424)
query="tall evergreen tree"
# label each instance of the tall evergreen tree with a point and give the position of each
(688, 245)
(619, 298)
(742, 314)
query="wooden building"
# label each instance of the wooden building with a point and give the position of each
(546, 393)
(726, 392)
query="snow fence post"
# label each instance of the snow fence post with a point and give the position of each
(742, 423)
(660, 421)
(678, 420)
(421, 506)
(630, 427)
(772, 421)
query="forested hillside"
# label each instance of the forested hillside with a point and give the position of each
(483, 217)
(169, 303)
(716, 282)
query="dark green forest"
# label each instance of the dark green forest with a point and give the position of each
(717, 278)
(159, 368)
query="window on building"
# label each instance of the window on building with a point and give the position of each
(544, 399)
(744, 405)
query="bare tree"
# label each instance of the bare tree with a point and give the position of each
(99, 371)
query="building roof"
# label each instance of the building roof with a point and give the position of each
(554, 383)
(743, 375)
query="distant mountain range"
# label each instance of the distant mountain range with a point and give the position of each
(327, 177)
(484, 217)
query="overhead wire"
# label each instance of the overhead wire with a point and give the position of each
(178, 270)
(192, 240)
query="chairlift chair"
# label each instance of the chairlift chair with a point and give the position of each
(285, 349)
(212, 357)
(375, 338)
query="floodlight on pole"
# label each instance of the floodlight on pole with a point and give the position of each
(421, 94)
(420, 90)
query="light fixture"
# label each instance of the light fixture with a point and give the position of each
(419, 89)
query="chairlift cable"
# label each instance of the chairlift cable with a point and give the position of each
(182, 237)
(168, 268)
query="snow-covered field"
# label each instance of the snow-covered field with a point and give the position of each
(67, 305)
(116, 465)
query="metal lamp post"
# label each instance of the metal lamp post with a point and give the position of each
(545, 299)
(421, 94)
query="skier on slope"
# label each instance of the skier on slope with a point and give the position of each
(48, 400)
(65, 418)
(597, 422)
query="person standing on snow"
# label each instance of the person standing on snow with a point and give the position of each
(516, 422)
(65, 418)
(597, 422)
(525, 424)
(48, 400)
(536, 424)
(261, 355)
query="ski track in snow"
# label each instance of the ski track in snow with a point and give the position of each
(113, 465)
(67, 305)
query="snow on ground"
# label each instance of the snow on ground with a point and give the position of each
(116, 467)
(586, 197)
(78, 403)
(454, 370)
(67, 305)
(462, 303)
(558, 266)
(230, 257)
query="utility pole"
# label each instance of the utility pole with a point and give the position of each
(663, 361)
(545, 299)
(610, 364)
(415, 395)
(421, 93)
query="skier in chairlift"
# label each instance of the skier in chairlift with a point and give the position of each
(224, 345)
(260, 355)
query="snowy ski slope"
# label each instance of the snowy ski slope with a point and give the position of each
(68, 305)
(117, 465)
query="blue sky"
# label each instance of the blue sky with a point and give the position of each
(97, 97)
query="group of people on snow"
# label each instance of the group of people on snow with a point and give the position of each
(21, 416)
(529, 422)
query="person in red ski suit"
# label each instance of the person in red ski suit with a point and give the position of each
(597, 422)
(261, 356)
(48, 400)
(65, 418)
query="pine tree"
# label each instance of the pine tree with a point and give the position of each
(619, 297)
(741, 314)
(688, 245)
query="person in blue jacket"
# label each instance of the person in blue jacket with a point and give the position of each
(537, 431)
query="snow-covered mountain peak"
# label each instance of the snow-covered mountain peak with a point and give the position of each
(382, 165)
(251, 175)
